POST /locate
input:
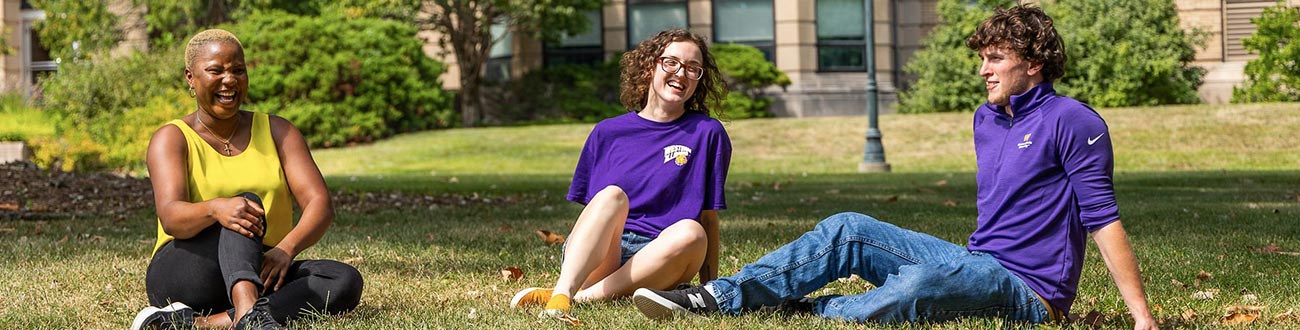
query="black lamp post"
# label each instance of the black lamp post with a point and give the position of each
(873, 158)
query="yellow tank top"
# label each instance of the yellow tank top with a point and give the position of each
(214, 175)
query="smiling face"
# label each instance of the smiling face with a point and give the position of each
(672, 90)
(1006, 74)
(219, 78)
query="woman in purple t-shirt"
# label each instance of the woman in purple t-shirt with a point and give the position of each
(652, 182)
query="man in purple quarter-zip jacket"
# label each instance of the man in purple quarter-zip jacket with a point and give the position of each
(1044, 183)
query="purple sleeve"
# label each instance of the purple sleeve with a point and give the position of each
(1086, 154)
(582, 172)
(718, 166)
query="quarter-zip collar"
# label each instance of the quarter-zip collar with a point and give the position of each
(1025, 103)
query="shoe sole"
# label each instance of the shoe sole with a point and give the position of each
(514, 301)
(655, 307)
(144, 314)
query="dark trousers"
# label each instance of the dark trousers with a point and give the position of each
(201, 270)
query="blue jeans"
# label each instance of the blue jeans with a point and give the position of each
(918, 277)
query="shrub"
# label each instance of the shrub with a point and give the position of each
(945, 68)
(747, 74)
(1121, 53)
(1126, 53)
(342, 80)
(99, 109)
(1275, 75)
(562, 93)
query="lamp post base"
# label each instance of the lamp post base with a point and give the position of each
(873, 167)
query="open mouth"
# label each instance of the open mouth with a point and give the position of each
(676, 85)
(227, 97)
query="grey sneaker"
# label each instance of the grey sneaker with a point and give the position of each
(666, 305)
(259, 318)
(176, 316)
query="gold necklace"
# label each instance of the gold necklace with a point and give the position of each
(225, 141)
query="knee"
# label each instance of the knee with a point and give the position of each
(849, 222)
(344, 286)
(610, 194)
(685, 235)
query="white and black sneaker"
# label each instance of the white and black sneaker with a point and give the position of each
(175, 316)
(666, 305)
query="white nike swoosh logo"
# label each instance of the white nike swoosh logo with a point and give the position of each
(1094, 140)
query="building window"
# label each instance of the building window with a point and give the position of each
(36, 61)
(498, 63)
(748, 22)
(645, 18)
(841, 35)
(583, 48)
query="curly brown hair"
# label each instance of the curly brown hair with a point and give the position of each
(638, 71)
(1027, 31)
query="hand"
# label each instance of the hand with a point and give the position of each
(1145, 323)
(275, 264)
(239, 215)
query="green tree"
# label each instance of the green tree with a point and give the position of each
(464, 27)
(74, 30)
(1274, 76)
(945, 68)
(1127, 52)
(747, 74)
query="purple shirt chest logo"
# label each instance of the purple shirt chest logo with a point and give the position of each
(679, 154)
(1027, 143)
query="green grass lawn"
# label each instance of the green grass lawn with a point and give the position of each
(1202, 189)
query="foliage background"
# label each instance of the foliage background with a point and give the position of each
(1274, 76)
(747, 74)
(1120, 53)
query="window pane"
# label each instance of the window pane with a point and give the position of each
(743, 20)
(589, 38)
(647, 19)
(840, 19)
(841, 57)
(504, 46)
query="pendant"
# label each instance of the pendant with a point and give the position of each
(227, 149)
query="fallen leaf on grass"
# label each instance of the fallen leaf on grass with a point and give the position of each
(1204, 275)
(1179, 284)
(1272, 248)
(1238, 315)
(1290, 315)
(941, 183)
(891, 199)
(504, 228)
(549, 237)
(512, 273)
(1093, 318)
(949, 203)
(353, 261)
(1205, 295)
(569, 319)
(1249, 299)
(473, 314)
(1189, 315)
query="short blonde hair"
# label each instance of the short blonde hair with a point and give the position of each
(208, 37)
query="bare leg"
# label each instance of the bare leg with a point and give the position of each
(672, 258)
(214, 321)
(243, 295)
(594, 240)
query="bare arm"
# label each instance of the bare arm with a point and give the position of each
(179, 217)
(709, 271)
(307, 185)
(1118, 255)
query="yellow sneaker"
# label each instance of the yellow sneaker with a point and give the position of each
(557, 306)
(530, 296)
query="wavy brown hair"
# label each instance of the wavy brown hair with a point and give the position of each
(1027, 31)
(638, 71)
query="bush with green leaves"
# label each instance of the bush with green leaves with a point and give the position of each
(342, 80)
(945, 68)
(100, 108)
(560, 94)
(1120, 53)
(1274, 76)
(747, 74)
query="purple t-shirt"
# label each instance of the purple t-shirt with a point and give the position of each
(670, 171)
(1044, 183)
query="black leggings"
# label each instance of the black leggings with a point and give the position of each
(201, 270)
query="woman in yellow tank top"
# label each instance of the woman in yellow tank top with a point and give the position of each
(225, 183)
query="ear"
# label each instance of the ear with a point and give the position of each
(189, 77)
(1034, 69)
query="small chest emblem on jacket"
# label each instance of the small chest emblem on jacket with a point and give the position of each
(677, 153)
(1027, 143)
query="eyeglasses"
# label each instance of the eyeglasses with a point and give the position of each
(673, 65)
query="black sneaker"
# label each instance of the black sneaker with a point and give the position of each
(666, 305)
(176, 316)
(259, 318)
